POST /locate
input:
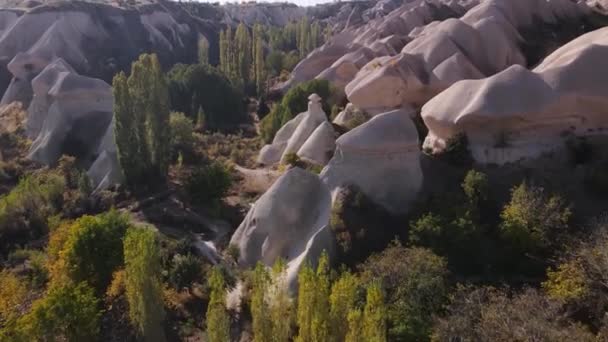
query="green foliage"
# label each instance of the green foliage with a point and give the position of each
(93, 250)
(375, 314)
(25, 210)
(476, 187)
(306, 303)
(280, 304)
(291, 159)
(192, 87)
(355, 326)
(359, 225)
(209, 184)
(415, 280)
(294, 102)
(143, 283)
(567, 282)
(342, 302)
(67, 313)
(262, 325)
(182, 134)
(12, 294)
(36, 262)
(141, 112)
(185, 270)
(218, 321)
(320, 319)
(533, 221)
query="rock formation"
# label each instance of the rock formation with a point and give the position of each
(520, 113)
(339, 59)
(72, 114)
(290, 221)
(382, 158)
(309, 135)
(487, 39)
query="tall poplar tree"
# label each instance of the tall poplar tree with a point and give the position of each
(342, 302)
(355, 326)
(281, 304)
(262, 325)
(320, 319)
(223, 52)
(218, 322)
(243, 51)
(260, 67)
(374, 315)
(143, 285)
(141, 114)
(306, 303)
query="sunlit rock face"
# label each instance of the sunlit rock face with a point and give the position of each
(72, 114)
(522, 113)
(488, 39)
(290, 221)
(309, 135)
(382, 158)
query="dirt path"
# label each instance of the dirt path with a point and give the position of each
(257, 180)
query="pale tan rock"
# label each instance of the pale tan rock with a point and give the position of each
(320, 146)
(382, 158)
(518, 113)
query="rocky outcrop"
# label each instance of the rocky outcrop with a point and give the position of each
(520, 113)
(339, 59)
(72, 114)
(308, 135)
(382, 158)
(488, 39)
(290, 221)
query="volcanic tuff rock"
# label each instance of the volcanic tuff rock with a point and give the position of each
(489, 38)
(72, 114)
(309, 135)
(290, 221)
(520, 113)
(382, 158)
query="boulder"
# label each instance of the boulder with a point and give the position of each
(521, 113)
(290, 221)
(382, 158)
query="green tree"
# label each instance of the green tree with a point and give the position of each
(306, 303)
(67, 313)
(141, 109)
(320, 319)
(533, 221)
(94, 249)
(182, 134)
(262, 325)
(342, 302)
(260, 67)
(281, 304)
(143, 284)
(243, 50)
(415, 280)
(374, 315)
(201, 119)
(355, 326)
(218, 321)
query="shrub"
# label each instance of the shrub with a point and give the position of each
(533, 221)
(25, 210)
(182, 134)
(92, 250)
(567, 283)
(415, 280)
(488, 314)
(292, 159)
(36, 262)
(359, 225)
(209, 184)
(185, 270)
(12, 294)
(67, 312)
